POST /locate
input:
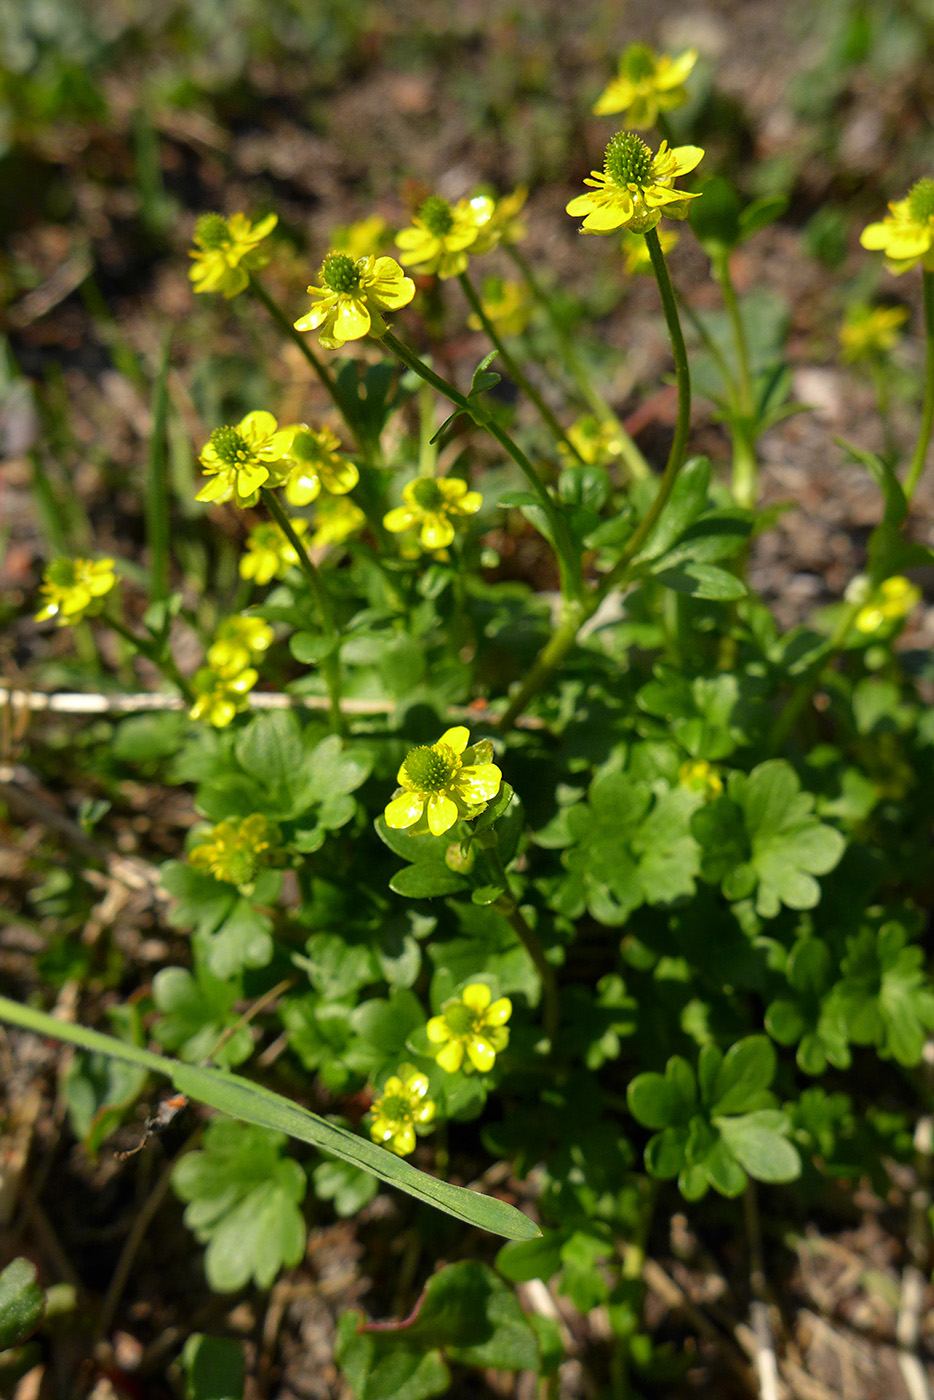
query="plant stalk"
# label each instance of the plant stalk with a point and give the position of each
(916, 466)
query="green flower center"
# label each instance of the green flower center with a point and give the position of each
(437, 215)
(305, 446)
(230, 447)
(62, 573)
(340, 273)
(429, 768)
(639, 63)
(427, 493)
(628, 160)
(395, 1107)
(921, 201)
(211, 231)
(460, 1020)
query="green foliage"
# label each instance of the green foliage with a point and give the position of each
(214, 1368)
(243, 1201)
(22, 1303)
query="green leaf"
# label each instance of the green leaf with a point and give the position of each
(760, 213)
(760, 1144)
(243, 1203)
(702, 581)
(687, 500)
(895, 505)
(716, 218)
(748, 1068)
(378, 1368)
(252, 1103)
(196, 1010)
(22, 1303)
(427, 880)
(521, 1260)
(214, 1368)
(242, 940)
(99, 1090)
(349, 1187)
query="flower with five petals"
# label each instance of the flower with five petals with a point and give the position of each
(647, 83)
(634, 188)
(75, 588)
(906, 233)
(442, 783)
(354, 294)
(241, 460)
(402, 1110)
(433, 506)
(226, 251)
(471, 1028)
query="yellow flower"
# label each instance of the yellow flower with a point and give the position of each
(647, 83)
(242, 459)
(508, 305)
(700, 776)
(269, 554)
(434, 505)
(906, 233)
(636, 255)
(360, 239)
(402, 1110)
(870, 332)
(239, 641)
(75, 588)
(226, 251)
(354, 293)
(597, 441)
(236, 851)
(473, 1025)
(634, 188)
(314, 460)
(893, 600)
(336, 519)
(442, 783)
(441, 234)
(497, 220)
(218, 698)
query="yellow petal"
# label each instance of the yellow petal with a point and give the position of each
(481, 1053)
(257, 427)
(352, 320)
(451, 1057)
(404, 811)
(437, 532)
(499, 1013)
(437, 1030)
(457, 738)
(477, 996)
(442, 813)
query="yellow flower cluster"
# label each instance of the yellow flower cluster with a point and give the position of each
(507, 305)
(635, 187)
(442, 783)
(218, 698)
(434, 507)
(906, 233)
(226, 251)
(647, 83)
(870, 332)
(236, 851)
(269, 553)
(402, 1110)
(595, 441)
(355, 294)
(240, 641)
(75, 588)
(443, 236)
(893, 600)
(240, 461)
(471, 1030)
(700, 776)
(315, 461)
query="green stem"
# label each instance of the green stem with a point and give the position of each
(568, 564)
(158, 655)
(636, 464)
(790, 712)
(745, 464)
(927, 413)
(682, 424)
(563, 639)
(512, 369)
(330, 665)
(508, 907)
(285, 325)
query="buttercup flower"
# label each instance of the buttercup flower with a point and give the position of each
(75, 588)
(360, 239)
(239, 641)
(236, 851)
(226, 251)
(508, 305)
(348, 306)
(870, 332)
(634, 188)
(402, 1110)
(473, 1025)
(433, 505)
(636, 258)
(442, 783)
(218, 698)
(906, 233)
(242, 459)
(269, 553)
(647, 83)
(315, 460)
(596, 441)
(893, 600)
(700, 776)
(336, 519)
(441, 234)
